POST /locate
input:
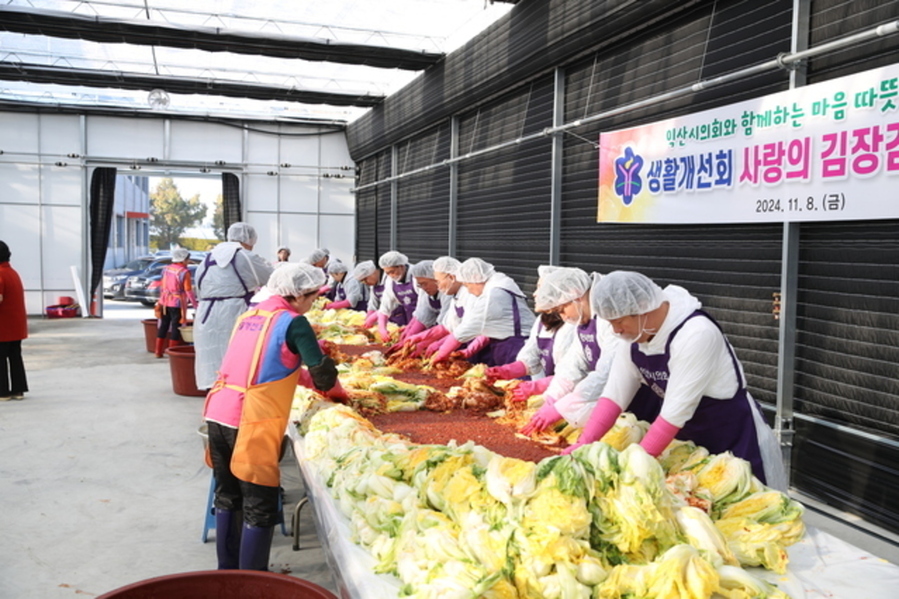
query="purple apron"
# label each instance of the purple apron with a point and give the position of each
(545, 349)
(586, 335)
(336, 293)
(378, 292)
(210, 261)
(719, 425)
(460, 310)
(503, 351)
(407, 297)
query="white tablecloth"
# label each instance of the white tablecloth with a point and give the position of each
(821, 565)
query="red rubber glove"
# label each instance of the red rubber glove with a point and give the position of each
(382, 328)
(474, 346)
(448, 345)
(526, 389)
(410, 329)
(603, 417)
(545, 417)
(659, 435)
(370, 319)
(338, 305)
(507, 372)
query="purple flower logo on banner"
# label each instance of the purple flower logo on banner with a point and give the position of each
(627, 176)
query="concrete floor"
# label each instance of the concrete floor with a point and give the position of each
(102, 479)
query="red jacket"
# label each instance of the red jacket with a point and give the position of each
(13, 320)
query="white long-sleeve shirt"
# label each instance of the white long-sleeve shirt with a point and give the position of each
(425, 313)
(450, 318)
(491, 312)
(529, 355)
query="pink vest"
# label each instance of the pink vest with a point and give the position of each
(172, 292)
(240, 370)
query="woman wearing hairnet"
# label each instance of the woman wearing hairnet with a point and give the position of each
(400, 297)
(345, 291)
(548, 343)
(582, 373)
(370, 276)
(444, 270)
(431, 304)
(319, 258)
(175, 294)
(247, 411)
(495, 319)
(226, 281)
(681, 354)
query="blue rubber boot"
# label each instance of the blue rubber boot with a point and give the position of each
(228, 525)
(255, 545)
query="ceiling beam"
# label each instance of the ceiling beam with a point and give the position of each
(211, 39)
(36, 73)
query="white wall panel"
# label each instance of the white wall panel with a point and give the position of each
(299, 193)
(299, 232)
(334, 151)
(336, 196)
(20, 228)
(60, 134)
(62, 236)
(20, 184)
(206, 141)
(20, 133)
(61, 185)
(113, 137)
(262, 149)
(338, 235)
(260, 193)
(300, 150)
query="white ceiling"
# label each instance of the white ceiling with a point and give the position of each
(434, 26)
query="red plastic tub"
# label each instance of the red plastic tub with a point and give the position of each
(181, 362)
(150, 326)
(222, 584)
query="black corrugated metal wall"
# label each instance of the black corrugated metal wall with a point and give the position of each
(847, 325)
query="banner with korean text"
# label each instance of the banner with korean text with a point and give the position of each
(828, 151)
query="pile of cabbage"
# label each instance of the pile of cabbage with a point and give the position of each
(464, 522)
(344, 327)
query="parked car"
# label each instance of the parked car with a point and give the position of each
(114, 278)
(144, 287)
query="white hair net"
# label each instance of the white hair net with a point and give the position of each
(295, 279)
(363, 269)
(180, 255)
(545, 269)
(283, 248)
(623, 293)
(393, 258)
(559, 287)
(318, 255)
(243, 233)
(423, 269)
(447, 265)
(475, 270)
(336, 266)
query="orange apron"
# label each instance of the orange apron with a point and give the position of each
(263, 422)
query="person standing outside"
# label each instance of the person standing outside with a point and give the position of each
(13, 329)
(247, 410)
(175, 295)
(226, 281)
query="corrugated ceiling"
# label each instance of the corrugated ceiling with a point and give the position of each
(265, 59)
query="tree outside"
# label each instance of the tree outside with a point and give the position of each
(172, 215)
(218, 218)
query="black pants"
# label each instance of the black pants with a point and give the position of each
(171, 319)
(12, 369)
(259, 503)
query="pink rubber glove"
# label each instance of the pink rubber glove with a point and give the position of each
(448, 345)
(324, 289)
(659, 435)
(338, 305)
(382, 328)
(410, 329)
(337, 393)
(603, 417)
(507, 372)
(526, 389)
(474, 346)
(370, 319)
(545, 417)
